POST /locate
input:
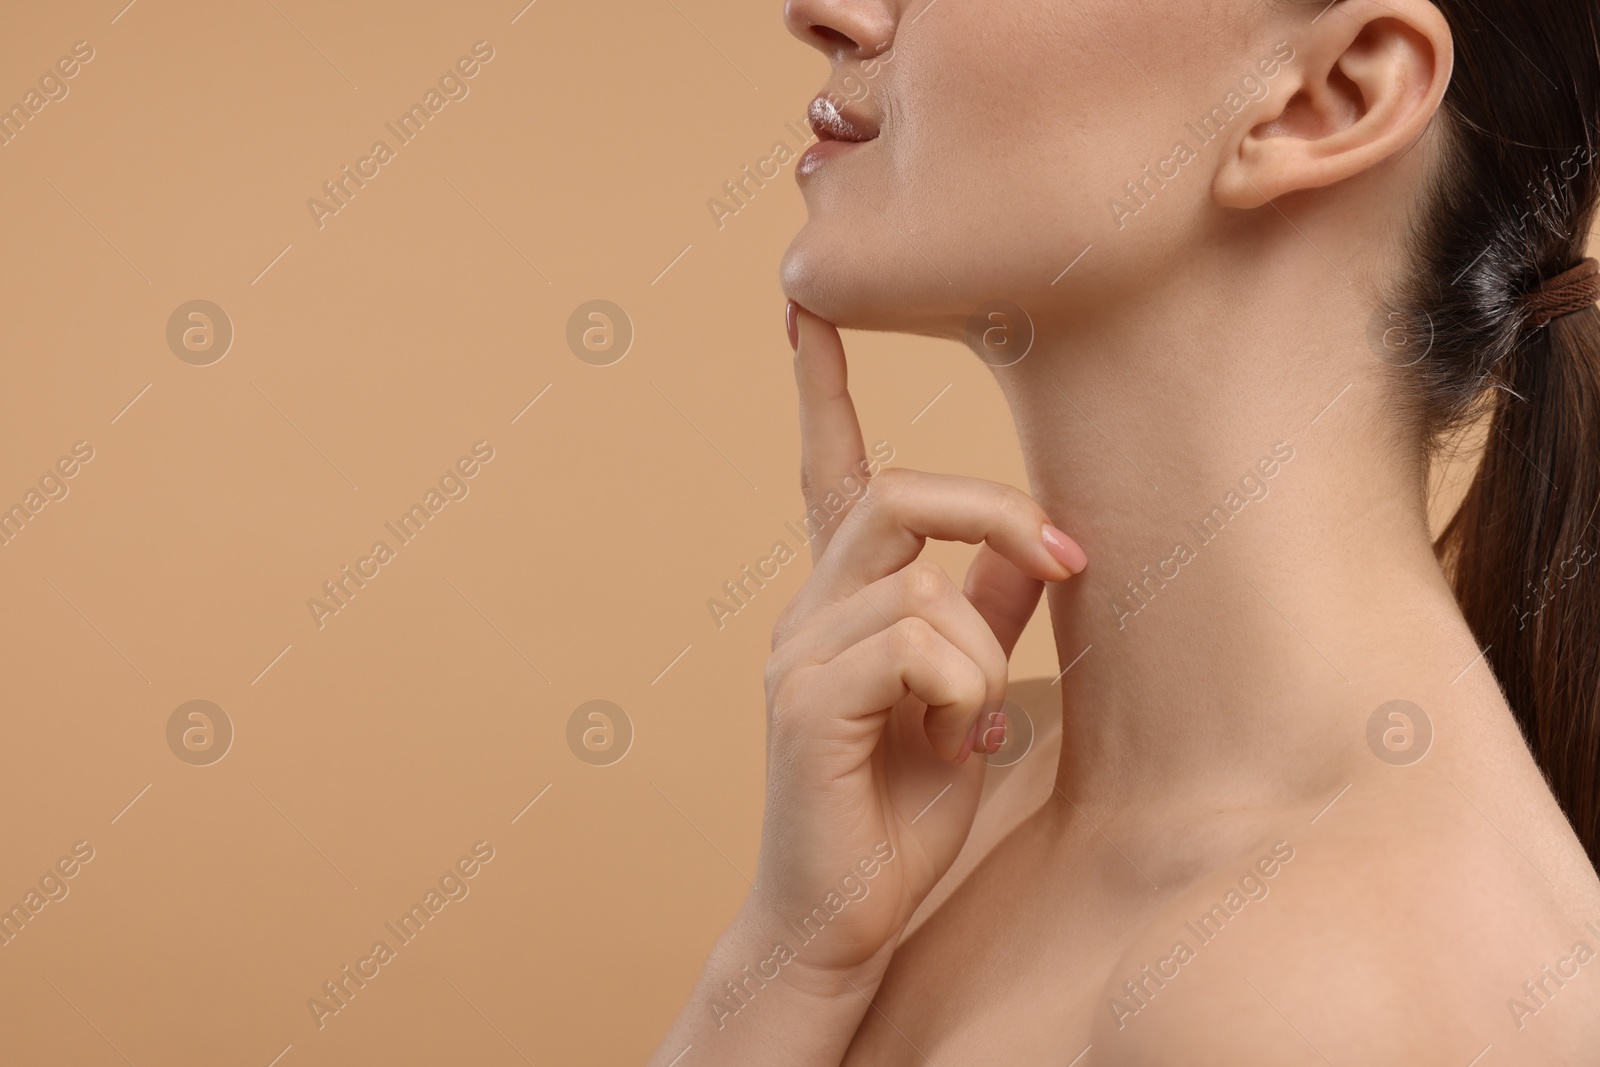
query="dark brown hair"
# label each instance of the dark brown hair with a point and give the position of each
(1512, 203)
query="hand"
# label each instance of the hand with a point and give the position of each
(884, 678)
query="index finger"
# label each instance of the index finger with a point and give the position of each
(833, 459)
(905, 508)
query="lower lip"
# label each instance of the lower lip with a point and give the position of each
(813, 158)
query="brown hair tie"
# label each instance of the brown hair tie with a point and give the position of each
(1571, 291)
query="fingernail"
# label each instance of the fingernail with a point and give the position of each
(993, 735)
(1065, 550)
(791, 323)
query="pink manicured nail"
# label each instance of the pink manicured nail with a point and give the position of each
(1065, 550)
(993, 735)
(791, 323)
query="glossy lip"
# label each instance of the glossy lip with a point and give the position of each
(838, 130)
(832, 123)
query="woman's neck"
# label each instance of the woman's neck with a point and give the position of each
(1261, 576)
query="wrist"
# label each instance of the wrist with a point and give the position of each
(761, 1000)
(805, 959)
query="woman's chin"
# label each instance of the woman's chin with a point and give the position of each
(824, 284)
(858, 285)
(840, 286)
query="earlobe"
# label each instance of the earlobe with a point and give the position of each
(1366, 81)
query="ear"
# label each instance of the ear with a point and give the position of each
(1365, 81)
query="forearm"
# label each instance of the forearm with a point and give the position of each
(758, 1001)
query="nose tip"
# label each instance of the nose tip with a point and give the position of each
(842, 29)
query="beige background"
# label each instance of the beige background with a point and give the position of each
(369, 355)
(427, 714)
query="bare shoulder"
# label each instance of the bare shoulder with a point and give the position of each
(1419, 920)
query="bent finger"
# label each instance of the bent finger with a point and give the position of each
(903, 508)
(912, 658)
(921, 590)
(1005, 597)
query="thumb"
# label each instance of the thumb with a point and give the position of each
(1003, 595)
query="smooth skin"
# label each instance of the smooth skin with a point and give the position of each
(1215, 727)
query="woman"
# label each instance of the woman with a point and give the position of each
(1246, 263)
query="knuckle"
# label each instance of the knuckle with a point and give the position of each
(961, 684)
(1015, 508)
(924, 584)
(916, 635)
(808, 478)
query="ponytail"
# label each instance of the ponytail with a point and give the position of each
(1524, 556)
(1509, 212)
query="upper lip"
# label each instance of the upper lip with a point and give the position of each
(832, 123)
